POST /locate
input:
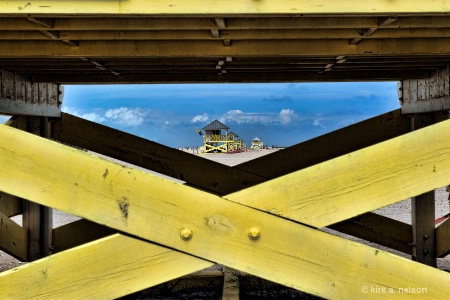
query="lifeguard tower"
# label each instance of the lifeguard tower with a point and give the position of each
(257, 144)
(216, 138)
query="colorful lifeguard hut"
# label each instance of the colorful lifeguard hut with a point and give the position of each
(257, 144)
(216, 139)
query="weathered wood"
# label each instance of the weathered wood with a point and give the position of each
(105, 269)
(157, 210)
(442, 239)
(13, 238)
(378, 229)
(22, 97)
(230, 285)
(77, 233)
(427, 94)
(10, 205)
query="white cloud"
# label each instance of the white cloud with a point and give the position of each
(286, 116)
(200, 118)
(240, 117)
(129, 117)
(92, 116)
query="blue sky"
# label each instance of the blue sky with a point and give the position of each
(279, 114)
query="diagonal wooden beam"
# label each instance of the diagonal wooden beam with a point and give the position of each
(108, 268)
(77, 233)
(218, 230)
(150, 155)
(443, 239)
(13, 238)
(331, 145)
(194, 170)
(378, 229)
(10, 205)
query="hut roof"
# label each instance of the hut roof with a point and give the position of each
(233, 134)
(216, 125)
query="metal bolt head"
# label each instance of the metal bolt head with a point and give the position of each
(254, 233)
(186, 234)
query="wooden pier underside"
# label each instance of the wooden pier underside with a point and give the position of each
(264, 217)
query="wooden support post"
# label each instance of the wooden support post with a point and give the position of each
(230, 284)
(37, 219)
(422, 211)
(424, 239)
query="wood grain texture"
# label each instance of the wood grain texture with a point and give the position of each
(219, 8)
(157, 210)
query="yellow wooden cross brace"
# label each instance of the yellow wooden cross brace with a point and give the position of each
(159, 210)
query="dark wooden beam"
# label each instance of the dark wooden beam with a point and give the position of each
(78, 233)
(331, 145)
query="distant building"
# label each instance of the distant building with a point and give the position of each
(257, 144)
(217, 139)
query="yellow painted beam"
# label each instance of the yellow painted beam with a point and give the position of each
(13, 238)
(161, 211)
(358, 182)
(104, 269)
(221, 8)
